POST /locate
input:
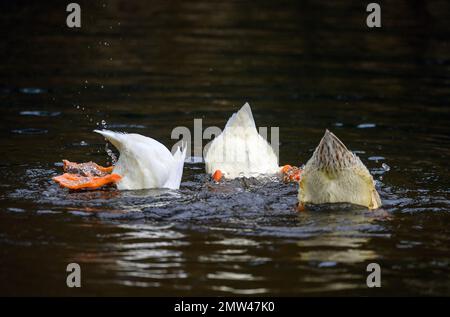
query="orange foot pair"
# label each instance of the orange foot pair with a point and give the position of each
(86, 176)
(291, 173)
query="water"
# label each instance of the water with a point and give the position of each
(303, 68)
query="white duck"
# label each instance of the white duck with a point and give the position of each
(240, 151)
(144, 162)
(334, 174)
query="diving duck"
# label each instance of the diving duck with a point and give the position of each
(240, 151)
(335, 175)
(143, 163)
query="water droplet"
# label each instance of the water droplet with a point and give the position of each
(111, 154)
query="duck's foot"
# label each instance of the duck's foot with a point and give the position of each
(291, 173)
(88, 175)
(217, 176)
(300, 207)
(86, 169)
(77, 182)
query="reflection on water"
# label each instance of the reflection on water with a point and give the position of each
(148, 69)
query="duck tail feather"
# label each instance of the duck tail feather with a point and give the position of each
(116, 138)
(242, 119)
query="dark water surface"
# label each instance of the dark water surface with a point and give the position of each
(148, 67)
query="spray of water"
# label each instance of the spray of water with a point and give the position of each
(107, 149)
(111, 154)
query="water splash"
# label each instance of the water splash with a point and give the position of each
(111, 154)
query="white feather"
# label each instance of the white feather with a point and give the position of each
(240, 151)
(144, 162)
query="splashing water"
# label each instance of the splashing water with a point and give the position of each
(111, 154)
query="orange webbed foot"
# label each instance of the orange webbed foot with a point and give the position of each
(86, 169)
(88, 175)
(217, 176)
(291, 173)
(77, 182)
(300, 207)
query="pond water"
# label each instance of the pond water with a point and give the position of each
(303, 67)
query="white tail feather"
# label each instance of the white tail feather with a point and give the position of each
(176, 173)
(243, 118)
(114, 137)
